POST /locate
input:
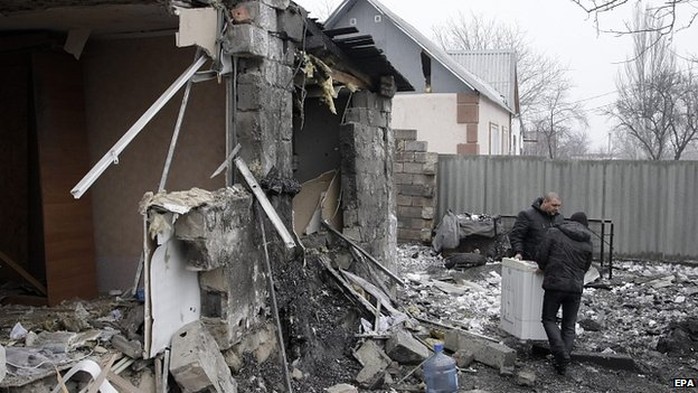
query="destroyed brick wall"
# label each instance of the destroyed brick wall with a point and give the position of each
(367, 148)
(415, 179)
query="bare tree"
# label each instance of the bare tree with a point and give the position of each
(543, 88)
(671, 15)
(560, 124)
(656, 102)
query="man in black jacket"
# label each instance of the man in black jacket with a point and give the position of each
(531, 224)
(564, 256)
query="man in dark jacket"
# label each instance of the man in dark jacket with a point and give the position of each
(531, 224)
(564, 256)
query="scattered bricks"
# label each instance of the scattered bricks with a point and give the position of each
(375, 362)
(415, 146)
(526, 378)
(197, 363)
(613, 361)
(405, 349)
(408, 135)
(3, 363)
(342, 388)
(246, 41)
(463, 358)
(413, 167)
(486, 352)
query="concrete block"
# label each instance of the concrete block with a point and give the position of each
(405, 349)
(416, 190)
(404, 200)
(256, 13)
(364, 99)
(413, 167)
(420, 156)
(409, 235)
(251, 96)
(402, 178)
(246, 41)
(130, 348)
(386, 105)
(428, 213)
(292, 22)
(409, 212)
(415, 146)
(374, 361)
(486, 352)
(404, 156)
(197, 363)
(431, 164)
(275, 47)
(526, 378)
(408, 135)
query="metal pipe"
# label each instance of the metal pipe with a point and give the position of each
(603, 239)
(272, 292)
(610, 255)
(112, 156)
(175, 136)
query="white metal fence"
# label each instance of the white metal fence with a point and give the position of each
(653, 205)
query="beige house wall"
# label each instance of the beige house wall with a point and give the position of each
(443, 121)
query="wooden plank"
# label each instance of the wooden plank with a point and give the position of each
(340, 31)
(348, 79)
(63, 157)
(17, 268)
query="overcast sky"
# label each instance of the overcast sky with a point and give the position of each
(559, 28)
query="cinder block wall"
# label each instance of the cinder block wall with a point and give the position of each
(367, 146)
(415, 179)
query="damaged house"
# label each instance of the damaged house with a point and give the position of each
(167, 141)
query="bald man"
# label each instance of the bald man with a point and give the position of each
(532, 223)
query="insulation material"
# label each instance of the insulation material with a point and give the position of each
(200, 27)
(318, 200)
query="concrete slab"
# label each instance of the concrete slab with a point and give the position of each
(405, 349)
(492, 354)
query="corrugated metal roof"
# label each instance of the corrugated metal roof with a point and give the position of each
(433, 50)
(496, 67)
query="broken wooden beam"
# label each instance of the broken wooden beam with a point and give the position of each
(326, 263)
(369, 256)
(264, 202)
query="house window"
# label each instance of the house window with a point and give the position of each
(495, 140)
(352, 22)
(377, 19)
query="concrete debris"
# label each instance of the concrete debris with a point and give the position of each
(612, 361)
(590, 325)
(405, 349)
(374, 361)
(297, 374)
(526, 378)
(130, 348)
(463, 358)
(492, 354)
(342, 388)
(197, 363)
(18, 332)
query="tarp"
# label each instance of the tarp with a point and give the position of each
(454, 227)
